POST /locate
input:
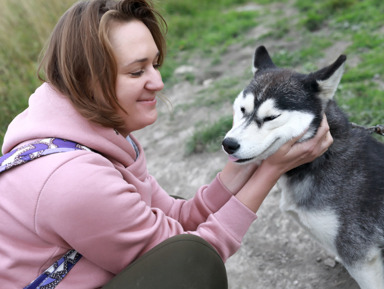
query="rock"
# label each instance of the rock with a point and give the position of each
(330, 262)
(184, 70)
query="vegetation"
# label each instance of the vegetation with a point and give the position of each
(24, 28)
(321, 24)
(359, 22)
(206, 29)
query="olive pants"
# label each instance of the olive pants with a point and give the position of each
(181, 262)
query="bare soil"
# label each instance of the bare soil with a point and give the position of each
(276, 252)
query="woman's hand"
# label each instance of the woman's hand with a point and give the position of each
(289, 156)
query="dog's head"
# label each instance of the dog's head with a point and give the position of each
(278, 105)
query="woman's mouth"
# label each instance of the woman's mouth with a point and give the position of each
(148, 101)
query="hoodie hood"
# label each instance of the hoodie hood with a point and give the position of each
(51, 114)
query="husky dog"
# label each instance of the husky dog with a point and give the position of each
(339, 197)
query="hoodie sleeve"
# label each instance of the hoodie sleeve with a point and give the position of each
(212, 206)
(208, 200)
(86, 204)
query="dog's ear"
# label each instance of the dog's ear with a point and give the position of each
(262, 60)
(329, 77)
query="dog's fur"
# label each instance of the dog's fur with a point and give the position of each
(339, 197)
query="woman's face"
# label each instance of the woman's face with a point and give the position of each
(138, 78)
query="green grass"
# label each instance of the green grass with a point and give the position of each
(24, 28)
(205, 29)
(201, 27)
(207, 137)
(320, 25)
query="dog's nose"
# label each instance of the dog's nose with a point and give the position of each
(230, 145)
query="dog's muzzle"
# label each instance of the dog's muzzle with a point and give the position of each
(230, 145)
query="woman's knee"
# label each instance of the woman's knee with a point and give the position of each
(194, 260)
(183, 261)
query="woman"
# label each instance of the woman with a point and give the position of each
(101, 81)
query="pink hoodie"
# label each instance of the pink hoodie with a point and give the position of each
(105, 205)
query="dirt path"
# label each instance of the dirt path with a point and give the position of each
(276, 253)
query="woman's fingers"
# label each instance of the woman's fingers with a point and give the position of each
(293, 154)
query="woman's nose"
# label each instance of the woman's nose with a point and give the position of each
(155, 82)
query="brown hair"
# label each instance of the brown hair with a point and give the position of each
(79, 56)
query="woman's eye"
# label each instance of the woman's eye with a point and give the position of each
(137, 73)
(141, 72)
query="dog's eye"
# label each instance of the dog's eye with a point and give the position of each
(242, 109)
(269, 118)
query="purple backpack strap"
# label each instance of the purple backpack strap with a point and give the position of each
(55, 273)
(37, 149)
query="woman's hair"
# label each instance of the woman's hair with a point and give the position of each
(79, 56)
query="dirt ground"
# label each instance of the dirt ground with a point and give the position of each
(276, 252)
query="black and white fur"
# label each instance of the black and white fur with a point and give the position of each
(339, 197)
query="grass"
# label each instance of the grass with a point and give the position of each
(207, 137)
(205, 29)
(23, 32)
(188, 19)
(321, 24)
